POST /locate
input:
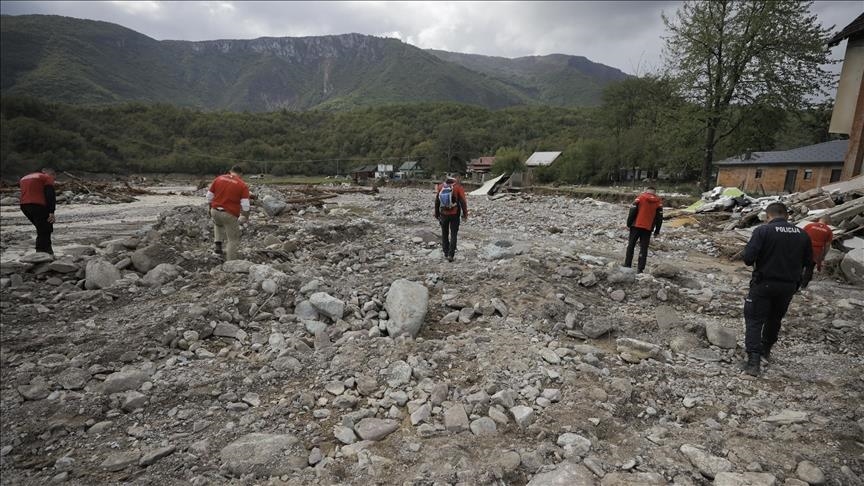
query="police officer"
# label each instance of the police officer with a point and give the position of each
(782, 260)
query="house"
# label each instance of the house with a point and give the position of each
(364, 173)
(789, 171)
(480, 166)
(384, 171)
(411, 170)
(848, 114)
(537, 159)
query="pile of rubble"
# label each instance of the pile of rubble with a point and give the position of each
(73, 190)
(343, 349)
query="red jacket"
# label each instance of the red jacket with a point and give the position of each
(646, 212)
(33, 189)
(820, 237)
(230, 193)
(461, 200)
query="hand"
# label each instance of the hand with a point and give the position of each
(242, 219)
(51, 218)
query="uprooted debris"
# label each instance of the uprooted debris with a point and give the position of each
(346, 350)
(75, 190)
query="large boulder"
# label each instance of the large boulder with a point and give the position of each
(566, 474)
(852, 267)
(100, 274)
(328, 305)
(161, 274)
(264, 455)
(272, 206)
(149, 257)
(407, 303)
(720, 336)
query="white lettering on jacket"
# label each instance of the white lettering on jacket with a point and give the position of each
(787, 229)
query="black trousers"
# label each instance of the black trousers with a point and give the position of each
(38, 215)
(449, 232)
(765, 306)
(643, 236)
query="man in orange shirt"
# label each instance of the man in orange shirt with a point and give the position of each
(646, 214)
(450, 202)
(821, 237)
(38, 202)
(228, 197)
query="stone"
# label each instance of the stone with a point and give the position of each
(252, 399)
(118, 462)
(133, 401)
(375, 428)
(618, 295)
(100, 274)
(852, 267)
(38, 257)
(552, 394)
(597, 327)
(237, 266)
(455, 419)
(161, 274)
(787, 417)
(809, 472)
(34, 391)
(744, 479)
(273, 206)
(565, 474)
(226, 329)
(483, 426)
(498, 416)
(505, 398)
(124, 381)
(549, 356)
(633, 479)
(305, 311)
(407, 303)
(667, 318)
(639, 350)
(62, 266)
(706, 463)
(366, 385)
(99, 427)
(344, 434)
(421, 415)
(398, 374)
(524, 416)
(149, 257)
(720, 336)
(666, 270)
(574, 444)
(622, 275)
(154, 455)
(588, 280)
(501, 250)
(264, 455)
(438, 393)
(328, 305)
(335, 388)
(315, 456)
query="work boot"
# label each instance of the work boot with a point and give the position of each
(751, 366)
(449, 258)
(766, 354)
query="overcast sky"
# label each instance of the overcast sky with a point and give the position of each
(625, 35)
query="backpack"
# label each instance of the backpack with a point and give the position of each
(446, 197)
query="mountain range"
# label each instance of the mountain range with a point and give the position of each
(81, 61)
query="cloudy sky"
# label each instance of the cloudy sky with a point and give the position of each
(626, 35)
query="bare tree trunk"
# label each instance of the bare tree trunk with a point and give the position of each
(704, 179)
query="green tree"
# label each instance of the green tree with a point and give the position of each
(508, 160)
(729, 53)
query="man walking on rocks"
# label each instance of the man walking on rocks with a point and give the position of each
(821, 237)
(228, 198)
(450, 203)
(646, 215)
(38, 202)
(782, 261)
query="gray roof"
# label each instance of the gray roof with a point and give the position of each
(541, 158)
(822, 153)
(855, 28)
(411, 165)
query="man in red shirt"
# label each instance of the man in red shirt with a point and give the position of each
(450, 202)
(228, 197)
(821, 237)
(646, 214)
(38, 202)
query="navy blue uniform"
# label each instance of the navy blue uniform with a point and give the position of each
(782, 260)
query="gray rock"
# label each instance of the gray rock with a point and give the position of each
(118, 462)
(667, 318)
(305, 311)
(124, 381)
(237, 266)
(574, 444)
(618, 295)
(565, 474)
(787, 417)
(438, 394)
(597, 327)
(264, 455)
(344, 434)
(484, 426)
(505, 398)
(99, 427)
(161, 274)
(375, 428)
(744, 479)
(34, 391)
(501, 250)
(809, 472)
(636, 350)
(100, 274)
(407, 303)
(133, 401)
(62, 266)
(455, 419)
(38, 257)
(421, 415)
(314, 327)
(549, 356)
(852, 267)
(260, 273)
(588, 280)
(498, 416)
(633, 479)
(524, 416)
(398, 374)
(149, 257)
(666, 270)
(622, 275)
(328, 305)
(226, 329)
(272, 206)
(720, 336)
(153, 456)
(707, 464)
(73, 378)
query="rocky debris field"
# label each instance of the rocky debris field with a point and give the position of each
(344, 349)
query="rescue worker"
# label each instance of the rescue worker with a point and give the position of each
(646, 215)
(821, 237)
(450, 204)
(782, 260)
(38, 202)
(228, 198)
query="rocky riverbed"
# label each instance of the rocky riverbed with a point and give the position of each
(344, 349)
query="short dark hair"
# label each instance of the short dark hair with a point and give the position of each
(651, 188)
(236, 169)
(777, 209)
(49, 170)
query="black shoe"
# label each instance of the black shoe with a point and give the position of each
(450, 258)
(218, 248)
(751, 366)
(766, 355)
